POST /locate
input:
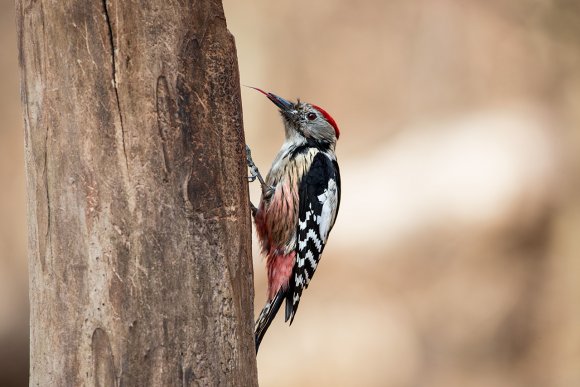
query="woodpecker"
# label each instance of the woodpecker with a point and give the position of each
(298, 207)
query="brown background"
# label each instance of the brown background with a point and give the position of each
(455, 260)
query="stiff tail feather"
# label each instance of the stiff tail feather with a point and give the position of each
(292, 304)
(266, 316)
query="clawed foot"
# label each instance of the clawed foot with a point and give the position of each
(253, 209)
(255, 173)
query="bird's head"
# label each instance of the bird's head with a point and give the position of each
(306, 122)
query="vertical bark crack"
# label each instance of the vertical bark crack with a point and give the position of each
(114, 69)
(163, 102)
(47, 236)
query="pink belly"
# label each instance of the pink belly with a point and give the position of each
(279, 272)
(276, 227)
(276, 220)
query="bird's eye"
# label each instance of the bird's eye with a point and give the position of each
(311, 116)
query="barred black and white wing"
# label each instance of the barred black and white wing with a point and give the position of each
(319, 197)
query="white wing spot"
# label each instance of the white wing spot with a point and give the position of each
(303, 223)
(311, 259)
(329, 201)
(300, 261)
(311, 234)
(299, 280)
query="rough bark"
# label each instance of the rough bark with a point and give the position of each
(139, 227)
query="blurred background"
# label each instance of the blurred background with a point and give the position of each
(455, 260)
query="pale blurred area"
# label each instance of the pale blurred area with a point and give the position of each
(13, 239)
(455, 260)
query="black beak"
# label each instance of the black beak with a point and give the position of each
(284, 105)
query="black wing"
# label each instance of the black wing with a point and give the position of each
(319, 198)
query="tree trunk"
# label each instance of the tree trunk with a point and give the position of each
(139, 226)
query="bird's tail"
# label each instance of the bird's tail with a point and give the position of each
(266, 316)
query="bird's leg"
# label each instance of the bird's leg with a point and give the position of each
(255, 174)
(253, 209)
